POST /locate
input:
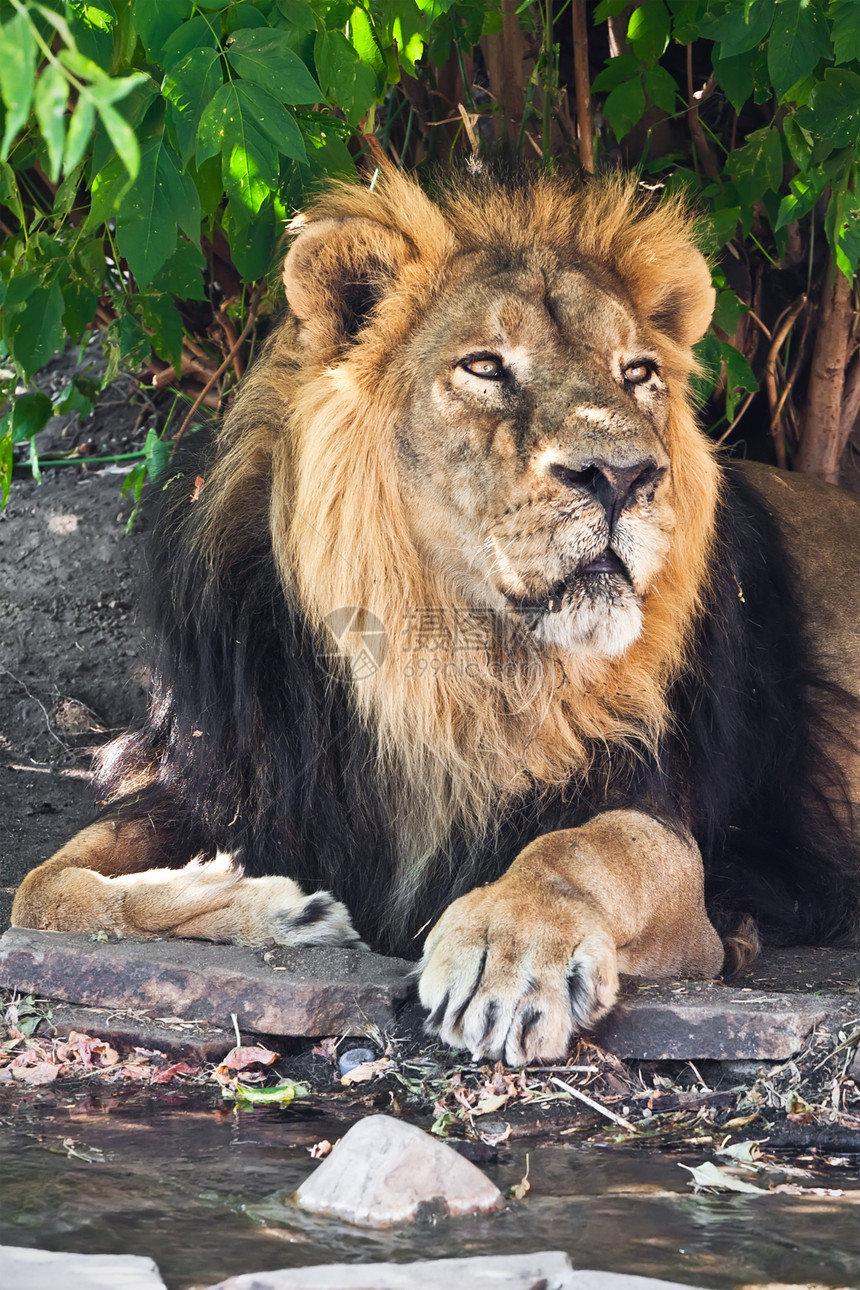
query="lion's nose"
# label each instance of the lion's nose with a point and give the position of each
(610, 484)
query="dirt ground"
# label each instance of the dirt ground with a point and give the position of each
(70, 649)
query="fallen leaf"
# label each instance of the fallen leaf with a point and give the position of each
(85, 1050)
(320, 1150)
(367, 1070)
(38, 1073)
(710, 1177)
(743, 1153)
(281, 1094)
(166, 1074)
(520, 1189)
(239, 1059)
(492, 1102)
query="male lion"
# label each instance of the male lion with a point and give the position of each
(468, 626)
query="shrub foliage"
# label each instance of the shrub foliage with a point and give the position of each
(153, 151)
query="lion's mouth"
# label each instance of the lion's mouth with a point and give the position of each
(590, 577)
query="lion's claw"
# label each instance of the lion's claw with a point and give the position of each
(502, 988)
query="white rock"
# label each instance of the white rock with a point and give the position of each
(23, 1269)
(384, 1171)
(545, 1271)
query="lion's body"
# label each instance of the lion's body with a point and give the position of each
(463, 575)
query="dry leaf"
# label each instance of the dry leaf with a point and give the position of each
(166, 1074)
(38, 1073)
(85, 1050)
(368, 1070)
(239, 1059)
(492, 1102)
(320, 1150)
(710, 1177)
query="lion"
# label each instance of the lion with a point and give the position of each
(460, 622)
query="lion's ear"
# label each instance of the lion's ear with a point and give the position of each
(336, 271)
(681, 298)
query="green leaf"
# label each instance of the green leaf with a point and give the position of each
(9, 194)
(799, 143)
(728, 311)
(719, 227)
(740, 378)
(364, 41)
(161, 197)
(264, 57)
(616, 72)
(182, 275)
(78, 396)
(804, 192)
(757, 166)
(17, 76)
(253, 243)
(660, 87)
(7, 462)
(79, 307)
(161, 318)
(624, 106)
(845, 16)
(249, 128)
(52, 93)
(156, 20)
(735, 76)
(741, 29)
(120, 133)
(343, 77)
(30, 414)
(833, 111)
(609, 9)
(157, 453)
(797, 41)
(134, 346)
(648, 30)
(199, 33)
(189, 88)
(80, 132)
(35, 333)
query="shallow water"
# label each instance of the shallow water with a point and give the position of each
(203, 1193)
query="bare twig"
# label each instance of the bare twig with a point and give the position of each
(781, 330)
(240, 340)
(595, 1106)
(737, 417)
(582, 84)
(469, 122)
(696, 100)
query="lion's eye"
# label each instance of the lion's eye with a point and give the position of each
(487, 366)
(638, 373)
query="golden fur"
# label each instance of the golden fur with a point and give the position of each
(472, 742)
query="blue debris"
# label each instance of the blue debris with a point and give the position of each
(354, 1057)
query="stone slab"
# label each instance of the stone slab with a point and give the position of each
(544, 1271)
(24, 1269)
(706, 1020)
(384, 1171)
(292, 992)
(191, 1040)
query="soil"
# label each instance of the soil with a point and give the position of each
(71, 666)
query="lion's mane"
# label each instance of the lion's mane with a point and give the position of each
(400, 792)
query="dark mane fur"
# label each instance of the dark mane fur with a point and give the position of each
(253, 748)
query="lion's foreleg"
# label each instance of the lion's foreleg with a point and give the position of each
(516, 968)
(101, 881)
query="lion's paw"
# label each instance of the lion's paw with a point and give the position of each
(316, 920)
(514, 982)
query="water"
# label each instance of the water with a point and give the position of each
(204, 1192)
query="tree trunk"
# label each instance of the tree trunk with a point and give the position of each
(823, 437)
(504, 54)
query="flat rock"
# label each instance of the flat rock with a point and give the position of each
(545, 1271)
(288, 992)
(384, 1171)
(23, 1269)
(191, 1040)
(698, 1020)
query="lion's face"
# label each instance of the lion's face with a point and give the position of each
(532, 451)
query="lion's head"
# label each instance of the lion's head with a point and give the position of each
(483, 411)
